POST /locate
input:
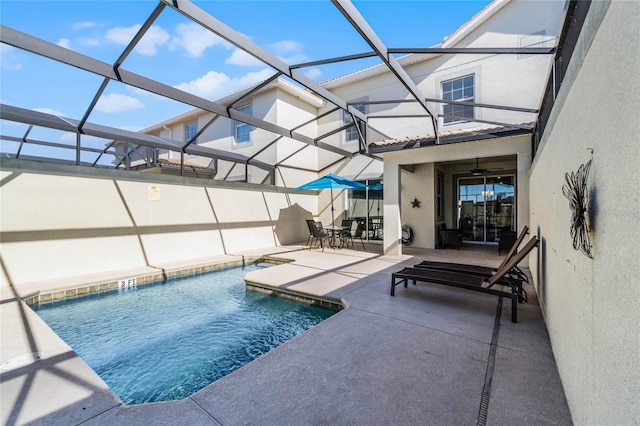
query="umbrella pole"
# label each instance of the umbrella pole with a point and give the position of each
(332, 218)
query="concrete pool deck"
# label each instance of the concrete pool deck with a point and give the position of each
(429, 355)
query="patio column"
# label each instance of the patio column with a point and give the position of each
(524, 166)
(392, 223)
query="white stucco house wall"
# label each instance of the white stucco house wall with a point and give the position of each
(514, 81)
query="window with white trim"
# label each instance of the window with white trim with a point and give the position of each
(243, 130)
(351, 134)
(459, 89)
(190, 130)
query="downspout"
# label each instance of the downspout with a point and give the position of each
(170, 130)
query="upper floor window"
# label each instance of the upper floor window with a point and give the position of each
(352, 132)
(190, 131)
(459, 89)
(243, 130)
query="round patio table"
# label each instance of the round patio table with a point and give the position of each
(335, 232)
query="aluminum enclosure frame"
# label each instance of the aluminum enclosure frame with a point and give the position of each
(115, 72)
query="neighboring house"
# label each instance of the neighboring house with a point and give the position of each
(500, 95)
(279, 102)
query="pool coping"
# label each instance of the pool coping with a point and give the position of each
(307, 299)
(122, 281)
(136, 280)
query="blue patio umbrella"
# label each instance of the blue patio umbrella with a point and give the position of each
(332, 181)
(376, 188)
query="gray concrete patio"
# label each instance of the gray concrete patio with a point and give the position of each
(429, 355)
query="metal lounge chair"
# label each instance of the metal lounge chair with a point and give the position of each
(483, 284)
(465, 268)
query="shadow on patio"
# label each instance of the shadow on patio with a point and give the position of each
(429, 355)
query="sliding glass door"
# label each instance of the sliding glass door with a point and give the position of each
(366, 207)
(486, 206)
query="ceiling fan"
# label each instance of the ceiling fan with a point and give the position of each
(477, 171)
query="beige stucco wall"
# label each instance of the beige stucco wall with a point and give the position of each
(62, 222)
(419, 185)
(401, 186)
(591, 305)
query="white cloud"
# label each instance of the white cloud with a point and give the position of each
(82, 25)
(117, 102)
(283, 46)
(155, 36)
(123, 35)
(195, 39)
(49, 111)
(70, 137)
(312, 73)
(208, 86)
(289, 51)
(9, 59)
(251, 78)
(293, 59)
(242, 58)
(131, 128)
(64, 42)
(94, 141)
(147, 46)
(88, 41)
(142, 92)
(214, 85)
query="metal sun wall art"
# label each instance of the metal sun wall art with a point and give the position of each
(577, 192)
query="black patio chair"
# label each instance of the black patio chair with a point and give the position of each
(316, 233)
(346, 236)
(311, 227)
(450, 236)
(507, 238)
(361, 229)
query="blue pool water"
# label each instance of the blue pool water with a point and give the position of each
(165, 341)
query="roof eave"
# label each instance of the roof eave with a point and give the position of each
(192, 113)
(473, 23)
(446, 140)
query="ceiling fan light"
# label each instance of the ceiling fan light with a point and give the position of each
(477, 171)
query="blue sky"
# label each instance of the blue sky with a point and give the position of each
(179, 53)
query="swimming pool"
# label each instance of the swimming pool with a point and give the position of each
(167, 340)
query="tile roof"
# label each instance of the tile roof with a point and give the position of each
(176, 162)
(451, 136)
